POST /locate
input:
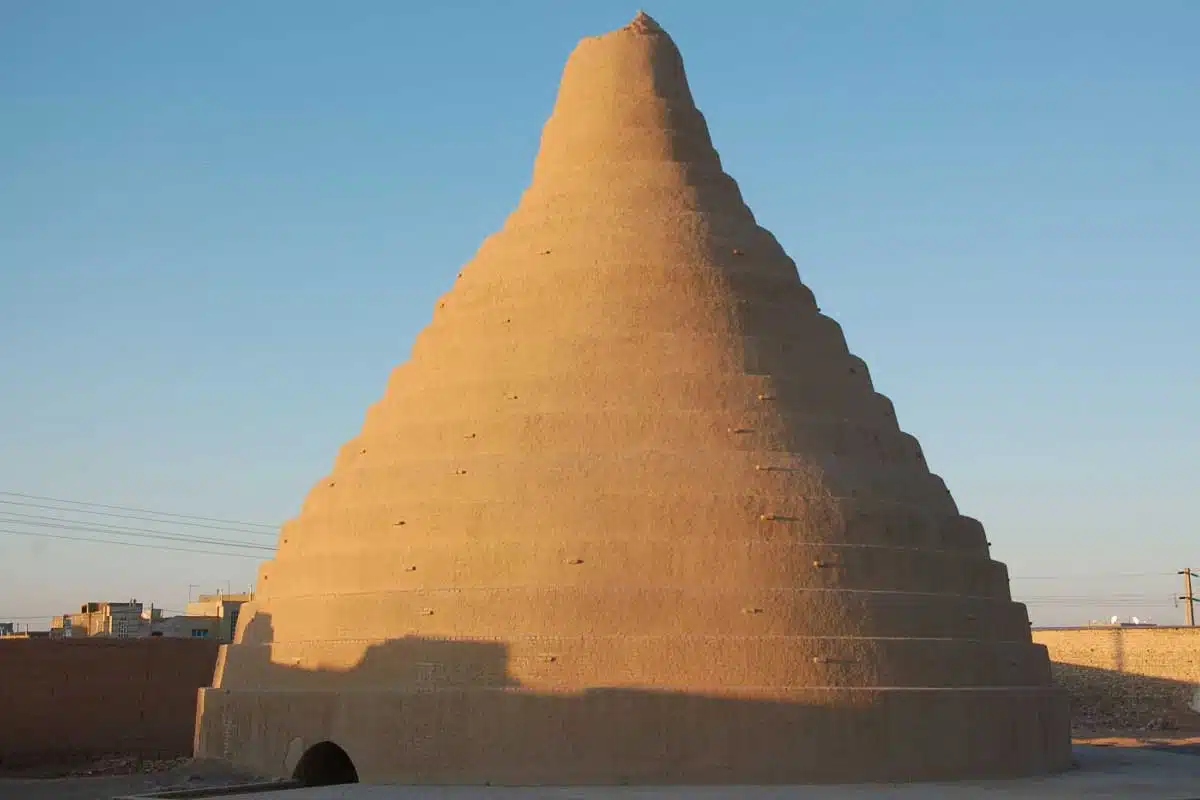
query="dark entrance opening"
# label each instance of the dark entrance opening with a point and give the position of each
(325, 764)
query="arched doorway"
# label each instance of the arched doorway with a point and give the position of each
(325, 764)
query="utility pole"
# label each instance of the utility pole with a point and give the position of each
(1187, 597)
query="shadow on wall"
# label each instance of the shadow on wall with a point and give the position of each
(412, 661)
(69, 700)
(416, 710)
(1105, 699)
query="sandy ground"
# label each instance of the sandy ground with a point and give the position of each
(1184, 745)
(1175, 731)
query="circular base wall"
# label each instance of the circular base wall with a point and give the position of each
(621, 736)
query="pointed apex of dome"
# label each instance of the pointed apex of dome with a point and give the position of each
(623, 99)
(644, 23)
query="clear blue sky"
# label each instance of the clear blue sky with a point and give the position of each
(221, 225)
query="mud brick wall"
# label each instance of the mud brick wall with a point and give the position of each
(62, 700)
(1126, 676)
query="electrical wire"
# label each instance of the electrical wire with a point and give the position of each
(1072, 599)
(136, 517)
(127, 544)
(170, 514)
(120, 530)
(1092, 576)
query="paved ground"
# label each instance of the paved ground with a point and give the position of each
(1104, 772)
(77, 785)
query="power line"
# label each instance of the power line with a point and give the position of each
(42, 521)
(1099, 596)
(126, 544)
(115, 530)
(264, 529)
(170, 514)
(1160, 602)
(138, 517)
(1093, 576)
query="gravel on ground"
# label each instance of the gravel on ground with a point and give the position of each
(111, 777)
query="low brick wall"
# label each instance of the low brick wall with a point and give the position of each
(1127, 677)
(63, 700)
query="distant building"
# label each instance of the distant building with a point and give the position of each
(225, 607)
(19, 634)
(12, 630)
(126, 620)
(211, 616)
(186, 626)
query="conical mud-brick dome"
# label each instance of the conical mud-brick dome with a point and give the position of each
(633, 513)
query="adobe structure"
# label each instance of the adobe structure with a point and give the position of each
(633, 513)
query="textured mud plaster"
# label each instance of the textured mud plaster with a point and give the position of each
(64, 700)
(632, 512)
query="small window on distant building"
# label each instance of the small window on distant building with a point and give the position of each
(199, 633)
